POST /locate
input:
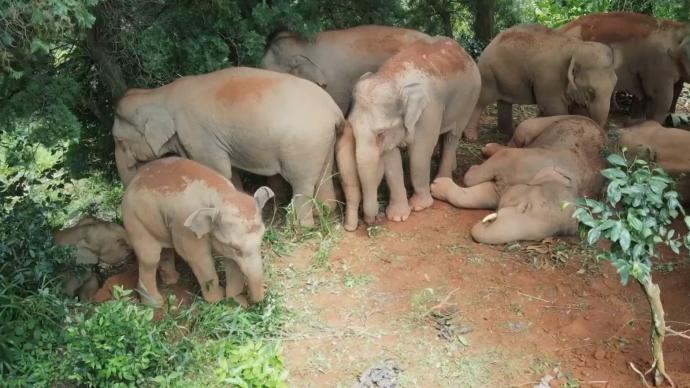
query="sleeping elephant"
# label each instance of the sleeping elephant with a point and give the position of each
(336, 59)
(533, 64)
(96, 242)
(256, 120)
(668, 147)
(426, 90)
(654, 55)
(181, 204)
(548, 161)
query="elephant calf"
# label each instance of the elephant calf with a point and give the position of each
(425, 90)
(533, 64)
(558, 159)
(181, 204)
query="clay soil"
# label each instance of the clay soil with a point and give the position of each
(446, 311)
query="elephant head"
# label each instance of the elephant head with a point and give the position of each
(96, 241)
(236, 235)
(683, 55)
(142, 131)
(592, 78)
(531, 211)
(286, 52)
(384, 116)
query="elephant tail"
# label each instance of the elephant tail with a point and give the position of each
(349, 179)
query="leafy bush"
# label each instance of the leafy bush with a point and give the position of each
(641, 204)
(254, 364)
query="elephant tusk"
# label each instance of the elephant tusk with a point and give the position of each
(489, 218)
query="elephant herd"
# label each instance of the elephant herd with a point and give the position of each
(346, 103)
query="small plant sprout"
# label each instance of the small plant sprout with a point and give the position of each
(641, 203)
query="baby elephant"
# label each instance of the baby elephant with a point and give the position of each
(181, 204)
(557, 159)
(96, 241)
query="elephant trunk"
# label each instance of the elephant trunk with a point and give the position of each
(599, 109)
(126, 165)
(253, 270)
(349, 180)
(370, 169)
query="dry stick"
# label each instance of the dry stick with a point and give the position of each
(440, 304)
(534, 297)
(642, 376)
(674, 333)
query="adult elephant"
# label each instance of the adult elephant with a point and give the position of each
(533, 64)
(549, 160)
(654, 55)
(259, 121)
(336, 59)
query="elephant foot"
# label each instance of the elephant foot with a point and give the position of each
(398, 211)
(491, 148)
(169, 277)
(420, 202)
(152, 299)
(215, 295)
(441, 187)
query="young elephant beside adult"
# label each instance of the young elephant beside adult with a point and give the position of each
(548, 161)
(426, 90)
(533, 64)
(256, 120)
(336, 59)
(653, 55)
(181, 204)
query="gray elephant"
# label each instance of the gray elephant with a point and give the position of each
(336, 59)
(654, 56)
(256, 120)
(181, 204)
(550, 160)
(426, 90)
(533, 64)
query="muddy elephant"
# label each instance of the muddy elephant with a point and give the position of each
(654, 56)
(336, 59)
(533, 64)
(426, 90)
(96, 241)
(549, 160)
(668, 147)
(181, 204)
(256, 120)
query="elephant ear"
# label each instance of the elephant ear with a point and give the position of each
(156, 125)
(262, 195)
(414, 101)
(572, 70)
(201, 221)
(303, 67)
(550, 174)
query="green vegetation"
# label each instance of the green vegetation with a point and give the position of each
(636, 218)
(63, 66)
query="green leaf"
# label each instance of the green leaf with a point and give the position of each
(593, 235)
(624, 240)
(616, 160)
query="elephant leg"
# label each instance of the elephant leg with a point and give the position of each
(659, 102)
(502, 160)
(398, 208)
(491, 148)
(148, 256)
(234, 279)
(420, 159)
(505, 117)
(302, 199)
(325, 190)
(529, 129)
(471, 132)
(677, 90)
(481, 196)
(449, 160)
(169, 274)
(197, 253)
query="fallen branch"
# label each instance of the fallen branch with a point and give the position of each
(642, 376)
(673, 333)
(534, 297)
(440, 304)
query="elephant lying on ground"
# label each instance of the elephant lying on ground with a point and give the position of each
(548, 161)
(426, 90)
(653, 55)
(533, 64)
(336, 59)
(256, 120)
(181, 204)
(669, 147)
(96, 241)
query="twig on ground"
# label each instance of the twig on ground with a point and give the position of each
(441, 303)
(534, 297)
(642, 376)
(673, 333)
